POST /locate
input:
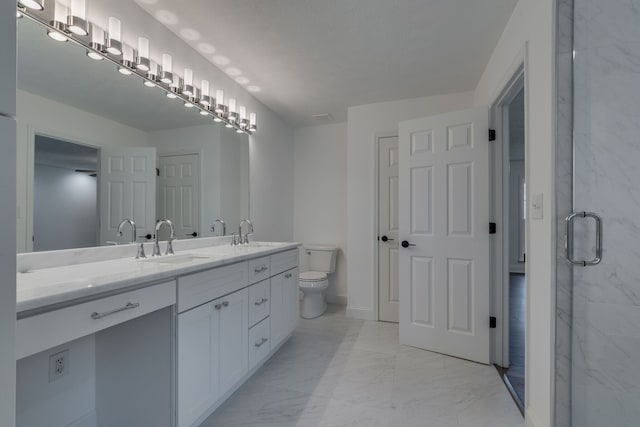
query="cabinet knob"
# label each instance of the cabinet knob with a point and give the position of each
(287, 276)
(225, 303)
(217, 306)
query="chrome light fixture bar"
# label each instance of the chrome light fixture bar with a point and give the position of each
(108, 46)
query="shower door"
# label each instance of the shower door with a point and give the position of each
(605, 308)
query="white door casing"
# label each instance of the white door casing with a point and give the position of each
(127, 190)
(388, 292)
(179, 193)
(444, 212)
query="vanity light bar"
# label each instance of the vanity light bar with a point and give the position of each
(108, 46)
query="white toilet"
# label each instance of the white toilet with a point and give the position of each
(320, 260)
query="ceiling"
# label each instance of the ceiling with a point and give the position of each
(322, 56)
(62, 154)
(71, 78)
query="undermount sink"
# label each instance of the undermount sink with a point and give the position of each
(176, 259)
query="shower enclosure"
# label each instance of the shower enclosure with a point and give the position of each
(598, 172)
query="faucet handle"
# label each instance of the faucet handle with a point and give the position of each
(156, 249)
(169, 250)
(141, 253)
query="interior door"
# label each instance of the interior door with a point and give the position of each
(179, 195)
(127, 190)
(388, 291)
(444, 228)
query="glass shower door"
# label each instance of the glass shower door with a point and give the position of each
(605, 318)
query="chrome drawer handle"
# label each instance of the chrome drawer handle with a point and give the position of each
(225, 303)
(568, 240)
(287, 276)
(262, 341)
(260, 269)
(130, 306)
(261, 301)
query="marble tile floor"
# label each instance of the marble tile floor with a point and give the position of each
(336, 371)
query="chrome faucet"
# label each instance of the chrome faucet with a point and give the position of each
(246, 236)
(134, 236)
(224, 226)
(172, 237)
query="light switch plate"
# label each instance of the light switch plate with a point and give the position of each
(537, 211)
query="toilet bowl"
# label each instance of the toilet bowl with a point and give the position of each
(320, 261)
(313, 284)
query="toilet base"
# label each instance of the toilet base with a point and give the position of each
(313, 305)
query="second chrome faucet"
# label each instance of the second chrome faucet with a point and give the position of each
(172, 237)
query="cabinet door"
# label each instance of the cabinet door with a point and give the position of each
(198, 349)
(278, 310)
(234, 336)
(291, 300)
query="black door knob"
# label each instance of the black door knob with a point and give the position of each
(406, 244)
(148, 237)
(194, 234)
(385, 239)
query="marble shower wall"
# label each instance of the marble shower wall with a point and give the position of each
(564, 206)
(605, 355)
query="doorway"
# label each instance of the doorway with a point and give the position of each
(179, 194)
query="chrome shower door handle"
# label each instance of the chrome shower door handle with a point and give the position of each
(568, 242)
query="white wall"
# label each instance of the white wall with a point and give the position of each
(364, 123)
(7, 211)
(320, 195)
(65, 209)
(532, 25)
(44, 116)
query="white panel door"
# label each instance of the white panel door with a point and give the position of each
(234, 338)
(444, 212)
(388, 291)
(179, 195)
(198, 371)
(127, 190)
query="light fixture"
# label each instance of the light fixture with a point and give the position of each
(204, 113)
(152, 75)
(233, 115)
(18, 14)
(97, 43)
(114, 40)
(58, 28)
(188, 104)
(187, 88)
(127, 61)
(174, 89)
(32, 4)
(166, 76)
(142, 61)
(220, 107)
(253, 122)
(205, 98)
(242, 120)
(77, 19)
(217, 119)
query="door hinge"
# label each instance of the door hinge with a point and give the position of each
(157, 172)
(493, 322)
(493, 228)
(492, 134)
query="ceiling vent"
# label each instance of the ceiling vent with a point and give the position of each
(323, 117)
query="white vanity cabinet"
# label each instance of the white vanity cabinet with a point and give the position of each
(285, 305)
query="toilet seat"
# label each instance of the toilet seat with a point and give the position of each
(312, 276)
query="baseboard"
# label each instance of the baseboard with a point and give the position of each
(88, 420)
(337, 299)
(361, 313)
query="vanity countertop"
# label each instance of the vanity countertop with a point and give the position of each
(39, 289)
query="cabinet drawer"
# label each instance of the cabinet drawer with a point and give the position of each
(259, 304)
(200, 288)
(38, 333)
(284, 261)
(259, 345)
(259, 269)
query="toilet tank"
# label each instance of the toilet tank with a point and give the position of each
(321, 258)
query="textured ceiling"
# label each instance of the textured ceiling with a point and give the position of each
(322, 56)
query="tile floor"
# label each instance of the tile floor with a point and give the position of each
(336, 371)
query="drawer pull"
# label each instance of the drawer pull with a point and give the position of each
(225, 303)
(287, 276)
(130, 306)
(261, 342)
(260, 269)
(217, 306)
(261, 301)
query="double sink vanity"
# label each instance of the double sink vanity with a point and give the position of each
(171, 336)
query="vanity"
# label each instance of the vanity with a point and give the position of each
(172, 337)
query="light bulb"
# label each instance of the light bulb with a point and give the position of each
(239, 131)
(171, 95)
(188, 104)
(114, 43)
(242, 112)
(205, 98)
(57, 36)
(187, 88)
(77, 19)
(219, 102)
(143, 62)
(232, 105)
(97, 43)
(32, 4)
(147, 83)
(204, 113)
(94, 55)
(167, 69)
(152, 75)
(124, 71)
(253, 122)
(217, 119)
(58, 30)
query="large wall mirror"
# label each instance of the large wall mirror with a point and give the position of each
(96, 147)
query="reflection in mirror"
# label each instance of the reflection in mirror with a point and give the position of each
(96, 147)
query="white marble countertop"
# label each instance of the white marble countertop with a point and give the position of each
(39, 288)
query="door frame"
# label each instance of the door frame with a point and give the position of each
(186, 152)
(376, 220)
(499, 165)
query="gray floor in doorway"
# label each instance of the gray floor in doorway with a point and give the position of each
(336, 371)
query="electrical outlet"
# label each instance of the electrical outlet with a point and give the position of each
(58, 365)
